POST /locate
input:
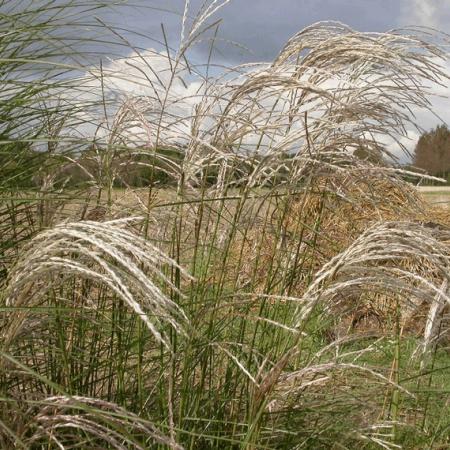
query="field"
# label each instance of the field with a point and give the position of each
(436, 195)
(241, 267)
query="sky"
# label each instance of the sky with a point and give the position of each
(263, 26)
(256, 30)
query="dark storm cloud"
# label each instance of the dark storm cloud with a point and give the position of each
(263, 26)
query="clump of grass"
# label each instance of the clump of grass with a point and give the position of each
(210, 322)
(102, 253)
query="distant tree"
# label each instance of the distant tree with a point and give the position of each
(432, 152)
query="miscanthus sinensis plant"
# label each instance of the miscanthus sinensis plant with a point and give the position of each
(217, 262)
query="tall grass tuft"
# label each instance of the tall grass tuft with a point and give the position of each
(217, 262)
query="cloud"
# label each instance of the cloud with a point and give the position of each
(127, 95)
(141, 79)
(429, 13)
(426, 119)
(263, 26)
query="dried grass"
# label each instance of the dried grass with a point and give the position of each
(282, 225)
(103, 252)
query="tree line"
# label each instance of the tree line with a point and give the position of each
(432, 152)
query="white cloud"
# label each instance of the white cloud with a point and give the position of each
(429, 13)
(438, 113)
(135, 90)
(146, 76)
(420, 12)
